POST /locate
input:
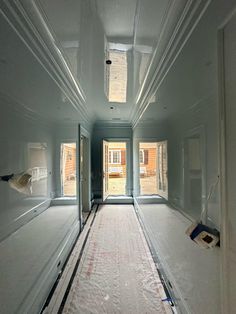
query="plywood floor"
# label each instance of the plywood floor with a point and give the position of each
(148, 185)
(116, 273)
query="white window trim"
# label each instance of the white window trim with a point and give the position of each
(112, 157)
(141, 151)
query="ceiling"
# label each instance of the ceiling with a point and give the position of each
(62, 46)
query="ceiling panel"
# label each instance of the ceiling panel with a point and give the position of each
(83, 33)
(150, 21)
(117, 17)
(26, 84)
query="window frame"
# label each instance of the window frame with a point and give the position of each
(141, 151)
(111, 156)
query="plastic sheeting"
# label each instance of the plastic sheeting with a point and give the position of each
(116, 273)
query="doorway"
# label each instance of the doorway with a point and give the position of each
(84, 176)
(68, 169)
(194, 173)
(153, 168)
(162, 169)
(114, 168)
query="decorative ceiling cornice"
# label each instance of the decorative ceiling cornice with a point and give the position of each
(22, 110)
(110, 125)
(191, 14)
(29, 22)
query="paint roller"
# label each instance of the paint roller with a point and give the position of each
(205, 236)
(20, 182)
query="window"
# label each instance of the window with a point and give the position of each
(68, 169)
(116, 76)
(141, 156)
(114, 157)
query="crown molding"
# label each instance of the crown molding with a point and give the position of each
(168, 16)
(110, 125)
(30, 23)
(21, 110)
(187, 22)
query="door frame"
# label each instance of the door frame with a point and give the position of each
(163, 194)
(128, 187)
(73, 141)
(200, 130)
(85, 173)
(222, 140)
(105, 175)
(83, 182)
(137, 163)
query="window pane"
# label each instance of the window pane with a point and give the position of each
(141, 156)
(68, 169)
(116, 157)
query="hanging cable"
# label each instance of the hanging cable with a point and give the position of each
(204, 212)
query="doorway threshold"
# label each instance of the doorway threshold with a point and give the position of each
(66, 200)
(119, 199)
(150, 199)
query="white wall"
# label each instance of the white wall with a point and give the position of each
(17, 134)
(228, 135)
(190, 94)
(29, 255)
(63, 133)
(101, 133)
(142, 133)
(34, 237)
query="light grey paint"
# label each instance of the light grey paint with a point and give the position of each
(26, 84)
(68, 134)
(28, 109)
(62, 134)
(193, 272)
(99, 134)
(188, 97)
(20, 140)
(32, 258)
(34, 238)
(145, 133)
(192, 102)
(229, 115)
(86, 170)
(145, 28)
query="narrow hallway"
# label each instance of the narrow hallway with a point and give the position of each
(116, 273)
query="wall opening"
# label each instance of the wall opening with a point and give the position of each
(194, 174)
(68, 169)
(84, 175)
(116, 76)
(153, 168)
(37, 161)
(114, 168)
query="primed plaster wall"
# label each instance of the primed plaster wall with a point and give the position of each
(192, 104)
(66, 133)
(18, 134)
(112, 133)
(145, 133)
(34, 237)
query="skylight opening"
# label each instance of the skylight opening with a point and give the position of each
(116, 76)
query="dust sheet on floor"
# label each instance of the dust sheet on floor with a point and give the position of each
(116, 273)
